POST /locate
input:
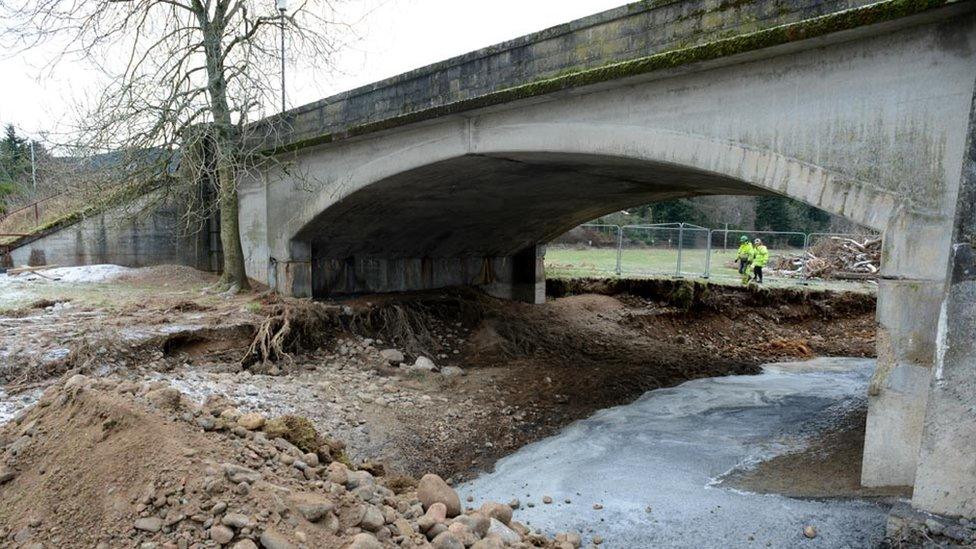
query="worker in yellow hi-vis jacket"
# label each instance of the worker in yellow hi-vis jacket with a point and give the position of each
(744, 256)
(759, 259)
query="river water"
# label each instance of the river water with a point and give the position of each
(653, 465)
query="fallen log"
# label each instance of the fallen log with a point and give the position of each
(30, 269)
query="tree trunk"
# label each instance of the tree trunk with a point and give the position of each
(227, 150)
(230, 233)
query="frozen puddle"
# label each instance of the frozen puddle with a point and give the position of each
(10, 406)
(22, 287)
(652, 464)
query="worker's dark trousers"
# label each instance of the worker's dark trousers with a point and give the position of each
(757, 271)
(742, 267)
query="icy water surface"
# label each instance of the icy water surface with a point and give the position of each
(652, 465)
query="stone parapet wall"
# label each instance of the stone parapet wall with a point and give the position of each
(631, 32)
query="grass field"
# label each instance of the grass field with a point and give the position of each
(641, 261)
(570, 262)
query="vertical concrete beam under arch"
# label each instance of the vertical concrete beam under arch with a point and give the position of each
(293, 275)
(909, 297)
(525, 278)
(946, 479)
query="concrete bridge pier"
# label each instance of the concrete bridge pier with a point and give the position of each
(946, 479)
(525, 278)
(292, 275)
(910, 294)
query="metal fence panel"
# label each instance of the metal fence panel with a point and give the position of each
(675, 249)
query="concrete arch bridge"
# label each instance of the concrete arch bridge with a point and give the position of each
(456, 173)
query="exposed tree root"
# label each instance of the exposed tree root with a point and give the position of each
(405, 326)
(81, 359)
(408, 323)
(291, 327)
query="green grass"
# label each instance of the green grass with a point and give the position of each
(641, 261)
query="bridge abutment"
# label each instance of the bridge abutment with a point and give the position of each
(910, 295)
(907, 315)
(527, 279)
(519, 277)
(945, 482)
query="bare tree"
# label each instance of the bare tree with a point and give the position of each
(180, 76)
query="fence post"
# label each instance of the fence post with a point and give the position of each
(620, 246)
(37, 215)
(681, 237)
(708, 254)
(806, 251)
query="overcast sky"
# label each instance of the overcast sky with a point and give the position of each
(396, 36)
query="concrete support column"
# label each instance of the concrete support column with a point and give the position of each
(526, 280)
(292, 275)
(909, 298)
(946, 478)
(907, 314)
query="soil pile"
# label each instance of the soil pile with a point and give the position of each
(111, 463)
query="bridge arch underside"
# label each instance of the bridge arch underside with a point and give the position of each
(478, 219)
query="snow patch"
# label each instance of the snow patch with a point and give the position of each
(83, 274)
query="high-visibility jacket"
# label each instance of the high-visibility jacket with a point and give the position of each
(761, 256)
(745, 251)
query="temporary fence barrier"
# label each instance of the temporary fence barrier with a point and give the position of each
(678, 249)
(670, 249)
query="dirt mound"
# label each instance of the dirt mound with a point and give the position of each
(792, 348)
(104, 463)
(173, 276)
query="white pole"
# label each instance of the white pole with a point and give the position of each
(282, 6)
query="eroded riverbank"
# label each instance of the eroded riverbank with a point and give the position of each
(518, 373)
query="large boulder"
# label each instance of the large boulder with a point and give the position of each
(447, 540)
(501, 531)
(252, 421)
(451, 371)
(477, 523)
(364, 541)
(272, 539)
(432, 489)
(424, 363)
(498, 511)
(372, 519)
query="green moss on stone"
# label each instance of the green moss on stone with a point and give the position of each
(683, 295)
(121, 195)
(296, 430)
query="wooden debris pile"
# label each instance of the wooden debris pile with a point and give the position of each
(834, 257)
